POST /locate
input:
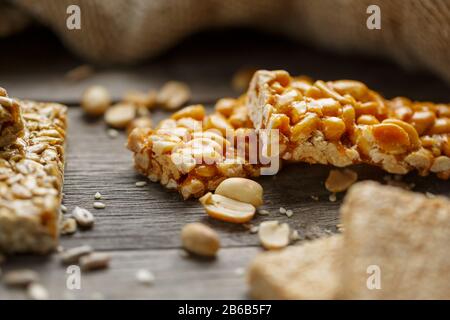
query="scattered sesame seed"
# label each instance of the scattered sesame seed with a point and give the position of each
(332, 197)
(141, 183)
(113, 133)
(289, 213)
(254, 229)
(315, 198)
(63, 208)
(99, 205)
(282, 210)
(144, 276)
(263, 212)
(97, 196)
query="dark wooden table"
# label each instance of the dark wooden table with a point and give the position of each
(140, 226)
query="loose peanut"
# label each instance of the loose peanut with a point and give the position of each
(173, 95)
(274, 235)
(200, 239)
(340, 180)
(96, 100)
(241, 189)
(120, 115)
(226, 209)
(141, 99)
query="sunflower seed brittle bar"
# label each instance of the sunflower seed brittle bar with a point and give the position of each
(11, 122)
(344, 122)
(31, 180)
(192, 152)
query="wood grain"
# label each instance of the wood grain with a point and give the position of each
(140, 226)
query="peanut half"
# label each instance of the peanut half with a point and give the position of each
(274, 235)
(340, 180)
(226, 209)
(173, 95)
(241, 189)
(200, 239)
(120, 115)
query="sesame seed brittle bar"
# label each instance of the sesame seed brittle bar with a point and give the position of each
(193, 152)
(31, 180)
(344, 122)
(391, 249)
(11, 122)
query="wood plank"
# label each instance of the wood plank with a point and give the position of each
(176, 276)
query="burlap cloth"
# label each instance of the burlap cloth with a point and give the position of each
(415, 33)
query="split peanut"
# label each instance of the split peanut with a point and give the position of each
(226, 209)
(173, 95)
(274, 235)
(241, 189)
(120, 115)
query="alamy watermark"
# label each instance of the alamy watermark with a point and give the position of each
(73, 280)
(373, 22)
(73, 20)
(374, 280)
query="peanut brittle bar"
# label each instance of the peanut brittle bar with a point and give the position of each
(11, 123)
(344, 122)
(193, 152)
(31, 179)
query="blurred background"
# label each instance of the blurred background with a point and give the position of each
(141, 44)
